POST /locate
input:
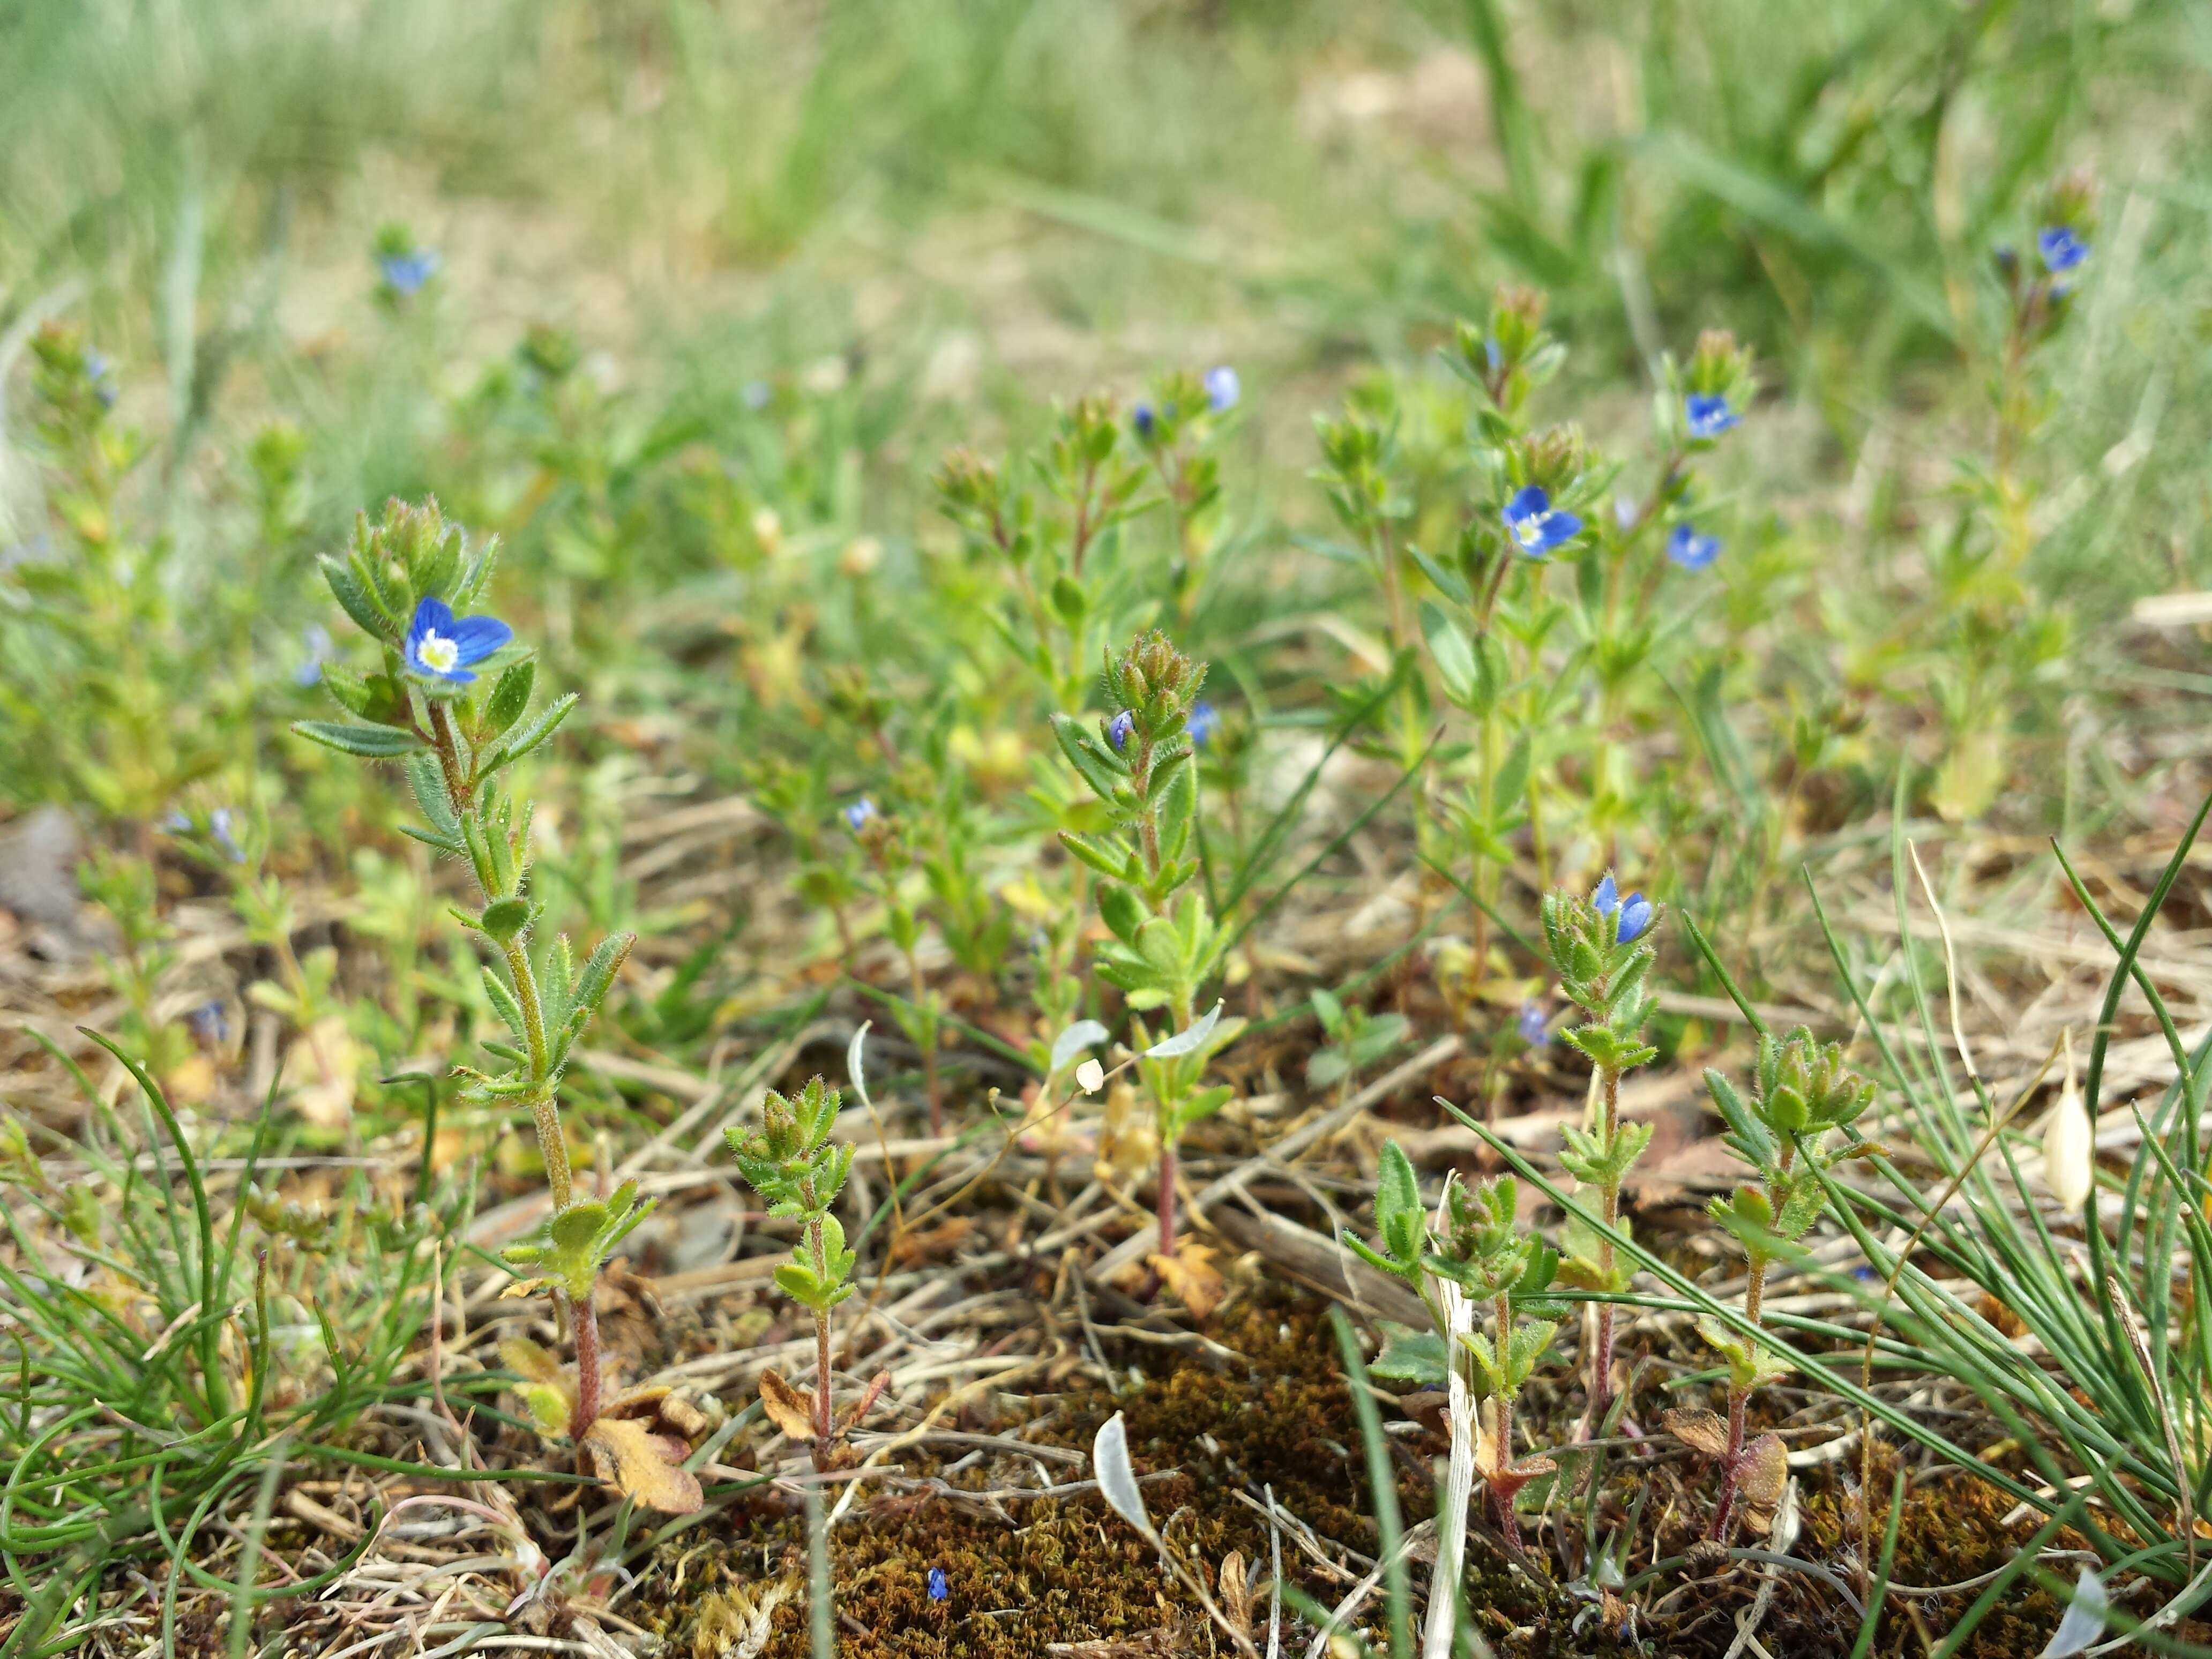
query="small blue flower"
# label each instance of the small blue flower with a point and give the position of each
(177, 824)
(757, 394)
(1143, 420)
(1533, 1025)
(404, 274)
(442, 646)
(1690, 549)
(1223, 389)
(939, 1586)
(317, 639)
(858, 815)
(1709, 414)
(1205, 720)
(97, 370)
(220, 832)
(2062, 250)
(1118, 729)
(1493, 356)
(1634, 913)
(210, 1024)
(1536, 526)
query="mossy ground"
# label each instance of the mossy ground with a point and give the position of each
(1068, 1576)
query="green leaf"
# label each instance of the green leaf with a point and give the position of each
(1399, 1217)
(1455, 654)
(354, 597)
(533, 734)
(1121, 911)
(1098, 766)
(1410, 1355)
(505, 919)
(367, 742)
(510, 696)
(1101, 856)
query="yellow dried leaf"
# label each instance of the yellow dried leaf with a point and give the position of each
(531, 1362)
(637, 1460)
(788, 1409)
(1190, 1274)
(1699, 1429)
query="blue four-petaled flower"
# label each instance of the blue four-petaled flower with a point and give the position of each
(857, 814)
(2062, 250)
(1223, 389)
(1632, 914)
(1533, 1025)
(1143, 420)
(443, 646)
(406, 273)
(1119, 727)
(939, 1585)
(1709, 414)
(1205, 720)
(1536, 526)
(1690, 550)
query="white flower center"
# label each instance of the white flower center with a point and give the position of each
(439, 654)
(1529, 530)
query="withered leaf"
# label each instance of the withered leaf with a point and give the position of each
(1699, 1429)
(1190, 1274)
(788, 1409)
(854, 1410)
(1761, 1472)
(639, 1461)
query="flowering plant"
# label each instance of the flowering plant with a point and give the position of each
(411, 584)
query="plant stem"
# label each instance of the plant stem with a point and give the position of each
(1600, 1383)
(1725, 1510)
(1500, 1500)
(822, 1420)
(586, 1318)
(1166, 1205)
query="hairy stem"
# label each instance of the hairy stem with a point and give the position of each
(1725, 1510)
(822, 1420)
(1600, 1381)
(1166, 1205)
(586, 1318)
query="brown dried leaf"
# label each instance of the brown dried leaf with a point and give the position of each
(788, 1409)
(1190, 1274)
(681, 1415)
(639, 1461)
(1236, 1591)
(854, 1410)
(1699, 1429)
(933, 1243)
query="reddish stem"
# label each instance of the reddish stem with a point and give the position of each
(1725, 1509)
(822, 1418)
(586, 1412)
(1167, 1197)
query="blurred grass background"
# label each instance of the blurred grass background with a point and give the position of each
(984, 205)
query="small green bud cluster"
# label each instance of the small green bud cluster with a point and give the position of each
(1509, 358)
(1792, 1131)
(798, 1170)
